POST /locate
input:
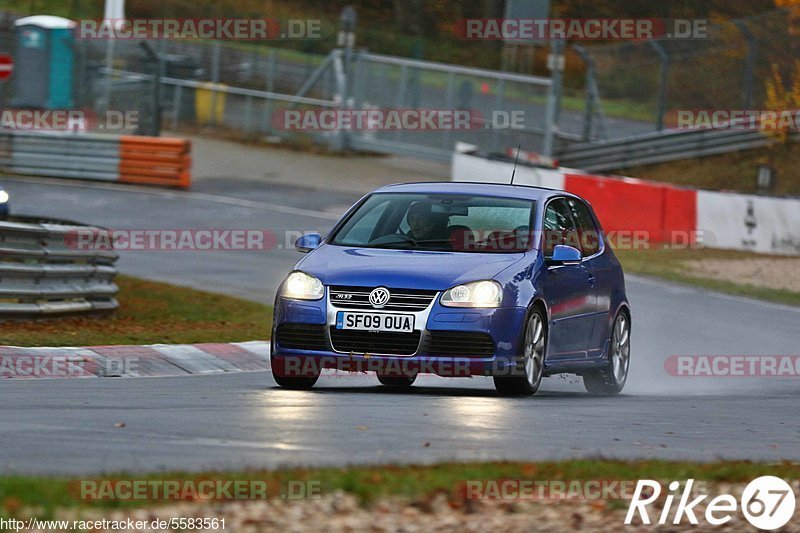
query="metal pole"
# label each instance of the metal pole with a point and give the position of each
(176, 106)
(215, 61)
(342, 64)
(663, 83)
(499, 105)
(401, 94)
(449, 97)
(749, 63)
(109, 66)
(270, 88)
(340, 140)
(553, 98)
(158, 63)
(591, 84)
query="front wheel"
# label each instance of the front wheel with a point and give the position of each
(534, 345)
(304, 381)
(611, 379)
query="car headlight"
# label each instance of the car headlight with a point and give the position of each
(3, 197)
(475, 294)
(301, 286)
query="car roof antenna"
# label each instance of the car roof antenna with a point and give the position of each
(516, 160)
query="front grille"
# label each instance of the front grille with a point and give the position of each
(349, 340)
(459, 344)
(400, 300)
(301, 336)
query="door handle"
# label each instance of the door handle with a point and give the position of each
(591, 280)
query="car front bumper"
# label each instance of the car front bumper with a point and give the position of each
(451, 342)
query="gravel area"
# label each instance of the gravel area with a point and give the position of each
(341, 512)
(774, 273)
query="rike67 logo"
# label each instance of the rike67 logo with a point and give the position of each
(767, 502)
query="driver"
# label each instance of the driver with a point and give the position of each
(420, 221)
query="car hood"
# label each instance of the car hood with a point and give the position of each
(371, 267)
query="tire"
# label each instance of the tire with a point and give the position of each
(397, 382)
(610, 380)
(305, 382)
(534, 344)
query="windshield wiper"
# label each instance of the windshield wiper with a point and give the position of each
(393, 240)
(402, 240)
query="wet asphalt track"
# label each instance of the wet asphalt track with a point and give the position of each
(244, 420)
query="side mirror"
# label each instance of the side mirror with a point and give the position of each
(307, 242)
(566, 255)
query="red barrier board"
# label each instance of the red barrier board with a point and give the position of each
(629, 205)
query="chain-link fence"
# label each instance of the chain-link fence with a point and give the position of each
(243, 88)
(610, 90)
(490, 98)
(642, 83)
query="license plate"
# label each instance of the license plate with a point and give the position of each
(375, 322)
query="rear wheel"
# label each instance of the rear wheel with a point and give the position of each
(611, 379)
(532, 360)
(397, 382)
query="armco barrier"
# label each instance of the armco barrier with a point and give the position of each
(659, 147)
(60, 155)
(128, 159)
(41, 274)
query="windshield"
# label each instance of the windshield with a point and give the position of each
(439, 222)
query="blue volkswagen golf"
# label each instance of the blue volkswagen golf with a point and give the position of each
(457, 279)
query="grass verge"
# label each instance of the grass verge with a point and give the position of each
(151, 313)
(675, 265)
(735, 171)
(369, 484)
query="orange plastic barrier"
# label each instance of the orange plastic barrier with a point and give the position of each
(666, 213)
(155, 161)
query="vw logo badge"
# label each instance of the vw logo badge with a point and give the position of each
(379, 297)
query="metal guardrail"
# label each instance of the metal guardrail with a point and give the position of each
(65, 155)
(43, 272)
(658, 148)
(137, 159)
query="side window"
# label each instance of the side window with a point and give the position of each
(559, 227)
(588, 234)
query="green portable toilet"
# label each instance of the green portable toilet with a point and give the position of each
(44, 58)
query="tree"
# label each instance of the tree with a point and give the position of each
(782, 97)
